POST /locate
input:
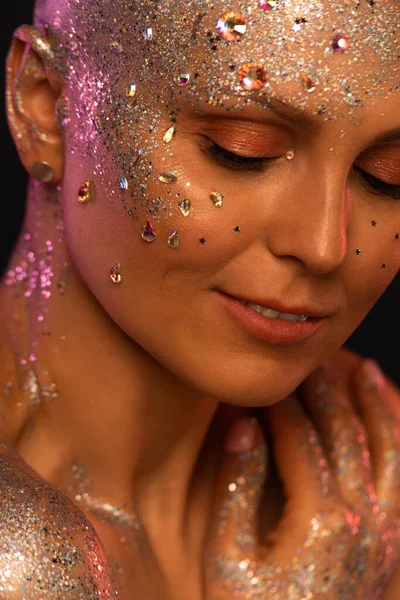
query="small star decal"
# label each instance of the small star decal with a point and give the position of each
(357, 252)
(202, 241)
(396, 237)
(237, 229)
(373, 223)
(383, 266)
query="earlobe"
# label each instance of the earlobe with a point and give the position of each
(33, 89)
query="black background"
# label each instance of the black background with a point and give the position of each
(377, 336)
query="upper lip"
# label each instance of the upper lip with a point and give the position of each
(304, 309)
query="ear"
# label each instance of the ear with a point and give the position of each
(33, 88)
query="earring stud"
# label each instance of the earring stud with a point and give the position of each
(42, 171)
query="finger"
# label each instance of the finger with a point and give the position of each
(298, 453)
(327, 398)
(379, 405)
(239, 486)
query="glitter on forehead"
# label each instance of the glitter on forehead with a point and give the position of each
(335, 56)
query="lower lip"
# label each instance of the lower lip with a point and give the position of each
(275, 331)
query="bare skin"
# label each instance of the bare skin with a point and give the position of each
(149, 362)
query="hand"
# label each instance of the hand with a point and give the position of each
(338, 538)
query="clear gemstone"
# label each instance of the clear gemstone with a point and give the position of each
(216, 198)
(168, 135)
(86, 192)
(185, 206)
(173, 239)
(182, 79)
(341, 42)
(231, 26)
(167, 178)
(132, 90)
(148, 234)
(148, 34)
(252, 76)
(116, 273)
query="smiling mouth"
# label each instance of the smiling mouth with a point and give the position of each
(274, 314)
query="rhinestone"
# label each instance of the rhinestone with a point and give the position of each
(168, 135)
(167, 178)
(132, 90)
(86, 192)
(173, 239)
(115, 273)
(268, 5)
(139, 156)
(308, 84)
(231, 26)
(216, 198)
(252, 76)
(185, 206)
(341, 42)
(290, 155)
(148, 34)
(123, 183)
(148, 234)
(182, 79)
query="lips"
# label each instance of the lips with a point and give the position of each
(307, 310)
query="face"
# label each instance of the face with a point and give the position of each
(233, 158)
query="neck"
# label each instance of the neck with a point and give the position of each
(97, 399)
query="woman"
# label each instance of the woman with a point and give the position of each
(214, 207)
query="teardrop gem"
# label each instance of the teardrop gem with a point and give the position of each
(216, 198)
(268, 5)
(185, 207)
(182, 79)
(167, 178)
(86, 192)
(308, 84)
(168, 135)
(173, 239)
(116, 273)
(148, 234)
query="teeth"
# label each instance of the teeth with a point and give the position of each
(274, 314)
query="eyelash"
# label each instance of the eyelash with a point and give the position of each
(245, 163)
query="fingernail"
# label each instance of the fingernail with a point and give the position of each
(241, 436)
(374, 378)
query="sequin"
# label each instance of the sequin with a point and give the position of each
(308, 84)
(86, 192)
(268, 5)
(185, 206)
(132, 90)
(173, 239)
(116, 273)
(148, 234)
(168, 135)
(252, 76)
(167, 178)
(340, 42)
(182, 79)
(216, 198)
(123, 183)
(231, 26)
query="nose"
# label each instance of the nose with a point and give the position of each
(309, 220)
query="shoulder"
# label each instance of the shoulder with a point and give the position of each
(48, 549)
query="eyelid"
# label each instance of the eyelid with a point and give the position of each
(247, 139)
(386, 166)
